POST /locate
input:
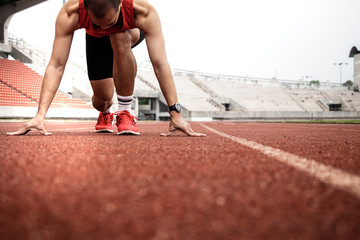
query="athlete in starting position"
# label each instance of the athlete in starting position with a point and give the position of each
(113, 27)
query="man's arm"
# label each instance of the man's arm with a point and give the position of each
(66, 24)
(149, 22)
(147, 19)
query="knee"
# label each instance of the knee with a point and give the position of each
(121, 42)
(102, 104)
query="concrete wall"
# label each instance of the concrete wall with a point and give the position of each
(202, 116)
(357, 70)
(30, 112)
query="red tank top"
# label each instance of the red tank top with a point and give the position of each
(127, 15)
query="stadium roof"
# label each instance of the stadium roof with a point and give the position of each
(354, 51)
(11, 2)
(7, 9)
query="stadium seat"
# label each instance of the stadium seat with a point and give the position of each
(21, 86)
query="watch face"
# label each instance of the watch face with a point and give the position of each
(178, 107)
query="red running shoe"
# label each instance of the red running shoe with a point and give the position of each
(125, 122)
(104, 123)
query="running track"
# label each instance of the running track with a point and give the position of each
(242, 181)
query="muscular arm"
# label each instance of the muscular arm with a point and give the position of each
(148, 21)
(66, 24)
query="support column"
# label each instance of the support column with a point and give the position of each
(356, 71)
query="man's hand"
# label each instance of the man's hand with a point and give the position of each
(34, 124)
(178, 124)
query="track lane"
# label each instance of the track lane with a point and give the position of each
(333, 176)
(83, 185)
(337, 147)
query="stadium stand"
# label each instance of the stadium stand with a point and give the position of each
(19, 80)
(253, 98)
(142, 85)
(11, 97)
(20, 86)
(201, 94)
(191, 96)
(352, 98)
(308, 99)
(148, 77)
(198, 92)
(74, 81)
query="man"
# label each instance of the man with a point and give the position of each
(113, 27)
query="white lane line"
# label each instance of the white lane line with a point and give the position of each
(327, 174)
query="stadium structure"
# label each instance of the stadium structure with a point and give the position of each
(204, 96)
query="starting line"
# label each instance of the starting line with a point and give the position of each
(327, 174)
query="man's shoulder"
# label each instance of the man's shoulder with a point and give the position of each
(141, 8)
(68, 17)
(140, 1)
(72, 7)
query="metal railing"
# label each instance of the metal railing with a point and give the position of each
(37, 56)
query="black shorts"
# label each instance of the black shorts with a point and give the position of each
(100, 57)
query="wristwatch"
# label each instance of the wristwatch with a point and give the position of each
(175, 107)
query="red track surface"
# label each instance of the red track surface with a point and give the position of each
(77, 184)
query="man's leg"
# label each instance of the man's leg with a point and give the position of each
(103, 94)
(124, 68)
(102, 101)
(99, 57)
(124, 73)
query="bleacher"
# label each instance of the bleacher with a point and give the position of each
(11, 97)
(352, 98)
(308, 99)
(190, 96)
(195, 92)
(148, 76)
(201, 93)
(21, 84)
(142, 85)
(253, 97)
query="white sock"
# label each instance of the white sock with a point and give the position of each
(124, 103)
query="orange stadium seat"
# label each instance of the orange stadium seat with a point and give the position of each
(10, 97)
(21, 86)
